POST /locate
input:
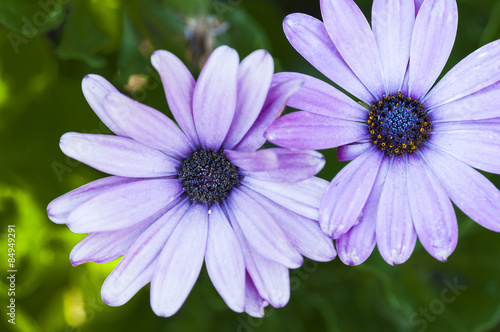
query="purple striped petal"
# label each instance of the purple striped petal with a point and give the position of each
(254, 79)
(224, 260)
(392, 23)
(59, 209)
(302, 197)
(473, 193)
(104, 247)
(273, 106)
(118, 155)
(253, 160)
(306, 130)
(214, 99)
(355, 246)
(483, 104)
(95, 88)
(179, 87)
(309, 37)
(270, 279)
(476, 145)
(431, 210)
(396, 236)
(304, 233)
(318, 97)
(431, 43)
(124, 205)
(147, 126)
(477, 71)
(136, 268)
(352, 151)
(347, 194)
(180, 262)
(254, 303)
(353, 37)
(418, 4)
(281, 165)
(260, 229)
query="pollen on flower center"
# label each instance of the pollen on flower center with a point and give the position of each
(208, 176)
(398, 124)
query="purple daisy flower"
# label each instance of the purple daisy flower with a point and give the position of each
(412, 148)
(178, 198)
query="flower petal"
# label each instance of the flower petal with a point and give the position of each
(431, 43)
(179, 87)
(309, 37)
(214, 99)
(306, 130)
(477, 146)
(95, 88)
(137, 266)
(118, 155)
(254, 79)
(103, 247)
(260, 229)
(270, 278)
(124, 205)
(346, 195)
(147, 126)
(352, 151)
(280, 165)
(477, 71)
(59, 209)
(396, 236)
(482, 104)
(471, 192)
(304, 233)
(180, 262)
(351, 34)
(392, 23)
(431, 210)
(273, 106)
(254, 303)
(318, 97)
(302, 197)
(224, 260)
(355, 246)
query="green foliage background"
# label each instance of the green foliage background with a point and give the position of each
(46, 47)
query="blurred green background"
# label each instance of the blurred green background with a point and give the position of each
(47, 46)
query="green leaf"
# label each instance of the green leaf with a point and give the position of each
(30, 18)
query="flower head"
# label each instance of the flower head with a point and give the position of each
(412, 148)
(179, 197)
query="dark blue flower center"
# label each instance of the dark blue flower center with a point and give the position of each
(208, 176)
(398, 124)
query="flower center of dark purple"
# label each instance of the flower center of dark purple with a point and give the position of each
(398, 124)
(208, 176)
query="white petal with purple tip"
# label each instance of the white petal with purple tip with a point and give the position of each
(180, 262)
(214, 99)
(118, 155)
